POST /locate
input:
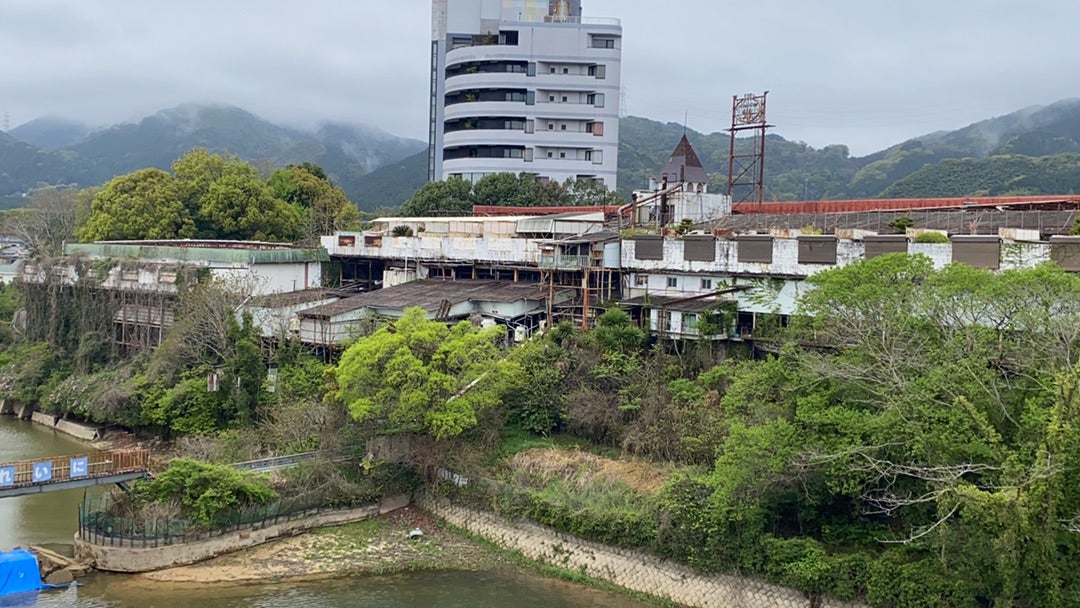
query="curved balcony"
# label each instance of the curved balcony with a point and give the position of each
(486, 165)
(487, 81)
(485, 137)
(477, 109)
(467, 54)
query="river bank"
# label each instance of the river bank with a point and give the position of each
(379, 545)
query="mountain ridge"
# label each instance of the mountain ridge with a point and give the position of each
(378, 169)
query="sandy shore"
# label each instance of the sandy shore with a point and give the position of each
(379, 545)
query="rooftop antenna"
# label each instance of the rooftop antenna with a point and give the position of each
(685, 117)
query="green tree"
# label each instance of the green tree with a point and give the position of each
(323, 207)
(241, 206)
(590, 192)
(450, 197)
(506, 189)
(146, 204)
(420, 376)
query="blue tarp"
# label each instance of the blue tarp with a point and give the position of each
(18, 572)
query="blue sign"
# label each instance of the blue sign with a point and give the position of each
(42, 471)
(7, 476)
(79, 466)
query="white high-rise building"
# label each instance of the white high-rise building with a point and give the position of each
(523, 86)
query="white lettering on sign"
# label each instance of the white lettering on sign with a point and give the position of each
(42, 471)
(7, 476)
(79, 467)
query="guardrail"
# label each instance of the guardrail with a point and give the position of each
(66, 470)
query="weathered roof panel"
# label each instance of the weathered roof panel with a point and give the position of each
(430, 295)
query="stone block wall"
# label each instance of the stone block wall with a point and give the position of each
(630, 570)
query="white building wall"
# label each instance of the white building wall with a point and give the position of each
(427, 247)
(546, 44)
(264, 279)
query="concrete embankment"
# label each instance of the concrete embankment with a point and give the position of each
(630, 570)
(78, 430)
(11, 408)
(108, 554)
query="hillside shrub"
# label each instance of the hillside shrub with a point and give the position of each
(931, 237)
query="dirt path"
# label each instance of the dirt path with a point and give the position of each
(374, 546)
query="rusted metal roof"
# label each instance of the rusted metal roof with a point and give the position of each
(431, 295)
(907, 204)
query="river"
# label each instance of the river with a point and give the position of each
(50, 519)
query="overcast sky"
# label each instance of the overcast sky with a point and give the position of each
(863, 73)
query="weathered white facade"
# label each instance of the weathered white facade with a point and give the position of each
(523, 86)
(259, 268)
(763, 274)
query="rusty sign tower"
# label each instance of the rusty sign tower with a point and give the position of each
(746, 167)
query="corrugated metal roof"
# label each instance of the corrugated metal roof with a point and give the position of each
(430, 295)
(293, 298)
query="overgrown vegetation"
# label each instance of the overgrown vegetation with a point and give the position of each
(923, 452)
(456, 196)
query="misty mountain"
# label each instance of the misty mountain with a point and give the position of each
(50, 133)
(920, 167)
(1019, 153)
(345, 151)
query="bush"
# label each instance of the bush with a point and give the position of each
(206, 491)
(931, 237)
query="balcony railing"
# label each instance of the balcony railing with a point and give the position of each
(563, 262)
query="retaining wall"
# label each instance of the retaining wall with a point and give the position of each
(78, 430)
(130, 559)
(628, 569)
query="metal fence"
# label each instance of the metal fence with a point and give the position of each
(97, 526)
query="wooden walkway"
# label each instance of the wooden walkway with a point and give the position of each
(68, 472)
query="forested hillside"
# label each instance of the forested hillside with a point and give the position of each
(345, 152)
(1014, 154)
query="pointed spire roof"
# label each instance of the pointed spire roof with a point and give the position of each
(684, 165)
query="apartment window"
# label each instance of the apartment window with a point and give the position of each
(706, 283)
(562, 154)
(529, 126)
(528, 155)
(595, 99)
(551, 155)
(551, 98)
(588, 155)
(689, 322)
(552, 69)
(551, 126)
(598, 71)
(564, 98)
(597, 156)
(641, 280)
(566, 70)
(603, 42)
(562, 127)
(530, 98)
(596, 128)
(673, 281)
(530, 70)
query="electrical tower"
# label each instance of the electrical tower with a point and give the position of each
(7, 122)
(746, 168)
